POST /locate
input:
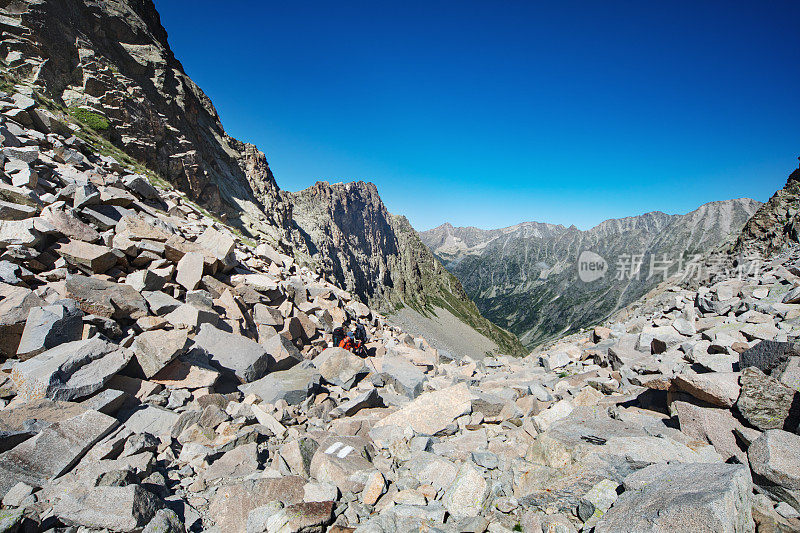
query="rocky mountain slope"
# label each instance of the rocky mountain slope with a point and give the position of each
(776, 223)
(157, 374)
(109, 65)
(380, 258)
(526, 278)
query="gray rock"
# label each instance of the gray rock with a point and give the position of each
(165, 521)
(49, 326)
(69, 371)
(406, 377)
(775, 463)
(189, 316)
(139, 185)
(466, 494)
(432, 411)
(106, 298)
(365, 400)
(247, 359)
(145, 280)
(161, 303)
(11, 520)
(53, 451)
(293, 385)
(282, 353)
(155, 349)
(153, 420)
(126, 508)
(683, 498)
(767, 403)
(340, 367)
(231, 504)
(190, 270)
(769, 355)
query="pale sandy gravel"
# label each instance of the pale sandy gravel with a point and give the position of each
(444, 332)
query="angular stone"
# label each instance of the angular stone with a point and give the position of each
(165, 521)
(145, 280)
(715, 426)
(139, 185)
(106, 298)
(153, 420)
(432, 411)
(12, 211)
(767, 403)
(404, 376)
(161, 303)
(293, 385)
(268, 421)
(126, 508)
(189, 316)
(235, 464)
(69, 371)
(14, 309)
(190, 270)
(247, 359)
(339, 458)
(775, 463)
(231, 503)
(18, 233)
(340, 367)
(53, 451)
(187, 372)
(716, 388)
(769, 355)
(365, 400)
(282, 353)
(552, 414)
(466, 494)
(219, 244)
(554, 360)
(297, 454)
(683, 498)
(70, 226)
(137, 228)
(374, 488)
(50, 326)
(155, 349)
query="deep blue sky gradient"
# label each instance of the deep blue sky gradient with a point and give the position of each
(493, 113)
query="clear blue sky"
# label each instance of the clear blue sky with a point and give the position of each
(492, 113)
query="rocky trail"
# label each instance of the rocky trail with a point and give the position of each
(160, 375)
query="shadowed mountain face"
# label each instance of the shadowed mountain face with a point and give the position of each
(359, 245)
(526, 277)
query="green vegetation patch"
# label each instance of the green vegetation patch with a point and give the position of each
(90, 119)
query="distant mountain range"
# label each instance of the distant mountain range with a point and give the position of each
(525, 278)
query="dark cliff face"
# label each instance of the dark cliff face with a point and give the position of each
(379, 257)
(112, 57)
(777, 223)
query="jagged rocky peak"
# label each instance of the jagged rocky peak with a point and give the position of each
(109, 63)
(777, 223)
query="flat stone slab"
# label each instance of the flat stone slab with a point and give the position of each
(293, 385)
(69, 371)
(247, 359)
(106, 298)
(55, 450)
(433, 411)
(683, 498)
